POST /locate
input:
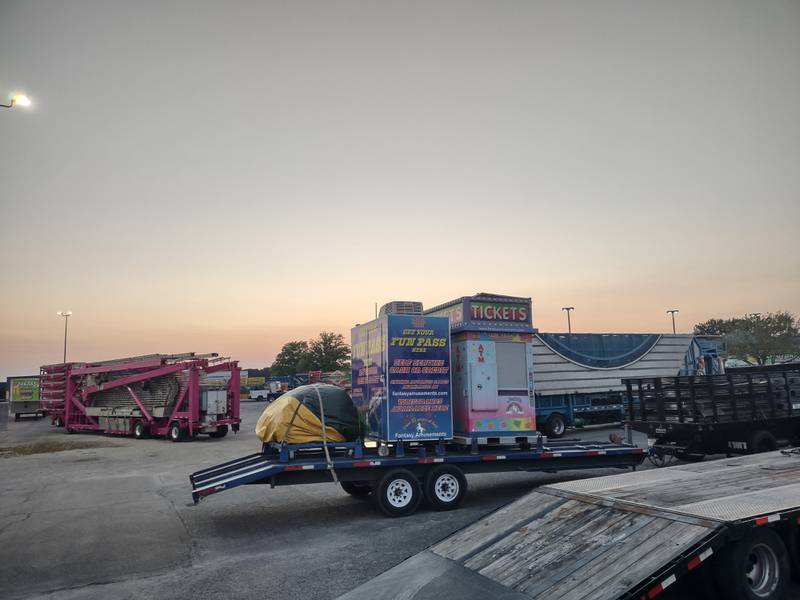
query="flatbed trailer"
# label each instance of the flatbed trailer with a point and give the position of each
(725, 528)
(399, 475)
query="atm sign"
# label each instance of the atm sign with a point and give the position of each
(488, 311)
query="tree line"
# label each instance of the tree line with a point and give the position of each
(327, 352)
(757, 338)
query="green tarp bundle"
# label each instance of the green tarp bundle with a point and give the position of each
(296, 418)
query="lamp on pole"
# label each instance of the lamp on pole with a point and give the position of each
(17, 100)
(569, 322)
(66, 314)
(672, 312)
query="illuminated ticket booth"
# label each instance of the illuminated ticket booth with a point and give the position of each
(492, 365)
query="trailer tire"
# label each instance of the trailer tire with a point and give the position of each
(762, 441)
(175, 433)
(221, 432)
(58, 422)
(445, 487)
(689, 457)
(398, 493)
(754, 568)
(357, 489)
(139, 430)
(793, 545)
(555, 426)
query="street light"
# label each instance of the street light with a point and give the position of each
(18, 100)
(66, 314)
(672, 312)
(569, 322)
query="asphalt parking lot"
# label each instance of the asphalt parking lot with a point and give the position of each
(116, 520)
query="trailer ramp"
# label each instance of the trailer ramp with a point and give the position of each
(622, 536)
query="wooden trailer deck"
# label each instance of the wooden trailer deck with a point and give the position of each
(622, 536)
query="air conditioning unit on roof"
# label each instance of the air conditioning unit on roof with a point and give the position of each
(401, 307)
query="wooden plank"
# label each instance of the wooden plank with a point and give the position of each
(539, 566)
(548, 540)
(473, 538)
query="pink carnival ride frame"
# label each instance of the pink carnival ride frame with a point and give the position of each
(65, 399)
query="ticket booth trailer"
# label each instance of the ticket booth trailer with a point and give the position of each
(492, 367)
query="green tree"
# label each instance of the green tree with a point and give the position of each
(328, 352)
(293, 358)
(756, 338)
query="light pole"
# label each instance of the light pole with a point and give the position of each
(66, 314)
(18, 100)
(672, 312)
(569, 322)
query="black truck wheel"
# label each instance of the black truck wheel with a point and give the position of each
(555, 426)
(357, 489)
(139, 430)
(58, 422)
(221, 432)
(754, 568)
(761, 441)
(175, 432)
(445, 487)
(398, 493)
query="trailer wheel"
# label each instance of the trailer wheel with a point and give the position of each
(754, 568)
(445, 487)
(398, 493)
(687, 457)
(221, 432)
(555, 426)
(793, 545)
(139, 430)
(357, 489)
(762, 441)
(58, 422)
(175, 432)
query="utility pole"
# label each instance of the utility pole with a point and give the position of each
(569, 321)
(66, 314)
(672, 312)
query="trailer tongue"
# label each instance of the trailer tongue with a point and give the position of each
(623, 536)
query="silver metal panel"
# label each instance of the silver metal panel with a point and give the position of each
(746, 506)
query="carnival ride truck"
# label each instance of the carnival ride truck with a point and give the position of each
(160, 395)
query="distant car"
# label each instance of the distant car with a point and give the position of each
(269, 393)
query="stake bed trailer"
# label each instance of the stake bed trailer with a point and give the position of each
(713, 414)
(623, 537)
(439, 467)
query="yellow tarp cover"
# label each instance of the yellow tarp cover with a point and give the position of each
(274, 422)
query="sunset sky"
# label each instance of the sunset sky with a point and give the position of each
(198, 176)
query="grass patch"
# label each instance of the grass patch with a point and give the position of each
(48, 447)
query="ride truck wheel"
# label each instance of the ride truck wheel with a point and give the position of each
(555, 426)
(221, 432)
(357, 489)
(139, 430)
(445, 487)
(762, 441)
(175, 432)
(398, 493)
(754, 568)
